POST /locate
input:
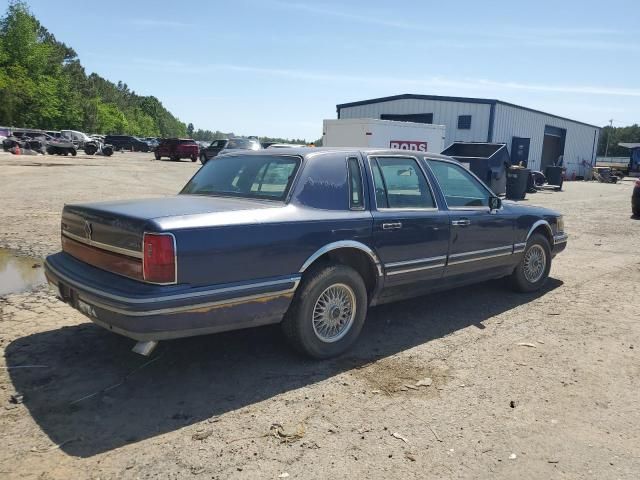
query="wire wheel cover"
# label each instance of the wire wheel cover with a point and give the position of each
(334, 312)
(535, 263)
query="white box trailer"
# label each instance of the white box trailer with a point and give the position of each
(371, 132)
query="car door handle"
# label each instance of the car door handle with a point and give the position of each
(463, 222)
(392, 226)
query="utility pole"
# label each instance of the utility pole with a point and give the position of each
(606, 150)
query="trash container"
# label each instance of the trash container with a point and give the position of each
(554, 175)
(517, 181)
(489, 161)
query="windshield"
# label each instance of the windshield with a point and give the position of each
(249, 176)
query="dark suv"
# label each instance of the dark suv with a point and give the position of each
(217, 146)
(126, 142)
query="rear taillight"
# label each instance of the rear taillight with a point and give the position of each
(159, 258)
(638, 183)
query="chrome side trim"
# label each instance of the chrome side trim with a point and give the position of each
(487, 250)
(188, 308)
(492, 253)
(103, 246)
(536, 225)
(343, 244)
(519, 247)
(416, 269)
(413, 262)
(484, 257)
(119, 298)
(560, 238)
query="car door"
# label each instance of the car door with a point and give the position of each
(480, 238)
(410, 233)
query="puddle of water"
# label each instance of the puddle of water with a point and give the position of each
(17, 273)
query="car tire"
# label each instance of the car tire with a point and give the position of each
(194, 158)
(203, 159)
(327, 312)
(74, 152)
(157, 155)
(175, 158)
(635, 211)
(533, 269)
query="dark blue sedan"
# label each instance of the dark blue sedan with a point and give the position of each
(308, 238)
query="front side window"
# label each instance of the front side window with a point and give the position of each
(458, 186)
(255, 176)
(400, 183)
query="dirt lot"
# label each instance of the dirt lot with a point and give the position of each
(523, 386)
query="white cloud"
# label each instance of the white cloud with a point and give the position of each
(467, 84)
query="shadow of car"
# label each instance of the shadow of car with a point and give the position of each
(96, 396)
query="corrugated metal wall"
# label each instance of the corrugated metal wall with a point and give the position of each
(509, 122)
(444, 113)
(579, 143)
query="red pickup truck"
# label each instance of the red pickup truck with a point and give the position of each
(177, 148)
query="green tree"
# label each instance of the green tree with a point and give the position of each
(43, 85)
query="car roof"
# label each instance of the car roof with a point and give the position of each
(309, 152)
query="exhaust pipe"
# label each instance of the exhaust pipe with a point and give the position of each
(145, 348)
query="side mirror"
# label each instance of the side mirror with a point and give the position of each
(495, 203)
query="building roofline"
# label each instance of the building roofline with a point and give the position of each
(485, 101)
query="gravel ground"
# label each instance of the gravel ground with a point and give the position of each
(522, 386)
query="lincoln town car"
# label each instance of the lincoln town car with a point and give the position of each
(308, 238)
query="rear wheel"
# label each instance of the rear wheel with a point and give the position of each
(73, 152)
(327, 312)
(194, 158)
(157, 155)
(533, 270)
(203, 159)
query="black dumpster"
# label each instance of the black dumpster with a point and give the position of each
(554, 175)
(488, 161)
(517, 183)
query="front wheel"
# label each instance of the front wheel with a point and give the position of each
(194, 158)
(533, 270)
(203, 159)
(157, 155)
(327, 312)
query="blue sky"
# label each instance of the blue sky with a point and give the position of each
(278, 67)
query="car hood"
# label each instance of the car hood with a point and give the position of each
(511, 206)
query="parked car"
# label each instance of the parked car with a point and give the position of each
(635, 199)
(308, 238)
(221, 146)
(177, 148)
(284, 145)
(126, 142)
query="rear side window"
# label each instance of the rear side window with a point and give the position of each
(459, 187)
(356, 201)
(400, 183)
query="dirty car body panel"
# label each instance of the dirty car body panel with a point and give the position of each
(240, 257)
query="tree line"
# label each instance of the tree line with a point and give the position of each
(615, 135)
(44, 85)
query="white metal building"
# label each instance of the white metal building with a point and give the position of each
(538, 137)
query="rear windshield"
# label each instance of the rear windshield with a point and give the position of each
(248, 176)
(188, 142)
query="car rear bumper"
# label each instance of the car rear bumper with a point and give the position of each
(151, 312)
